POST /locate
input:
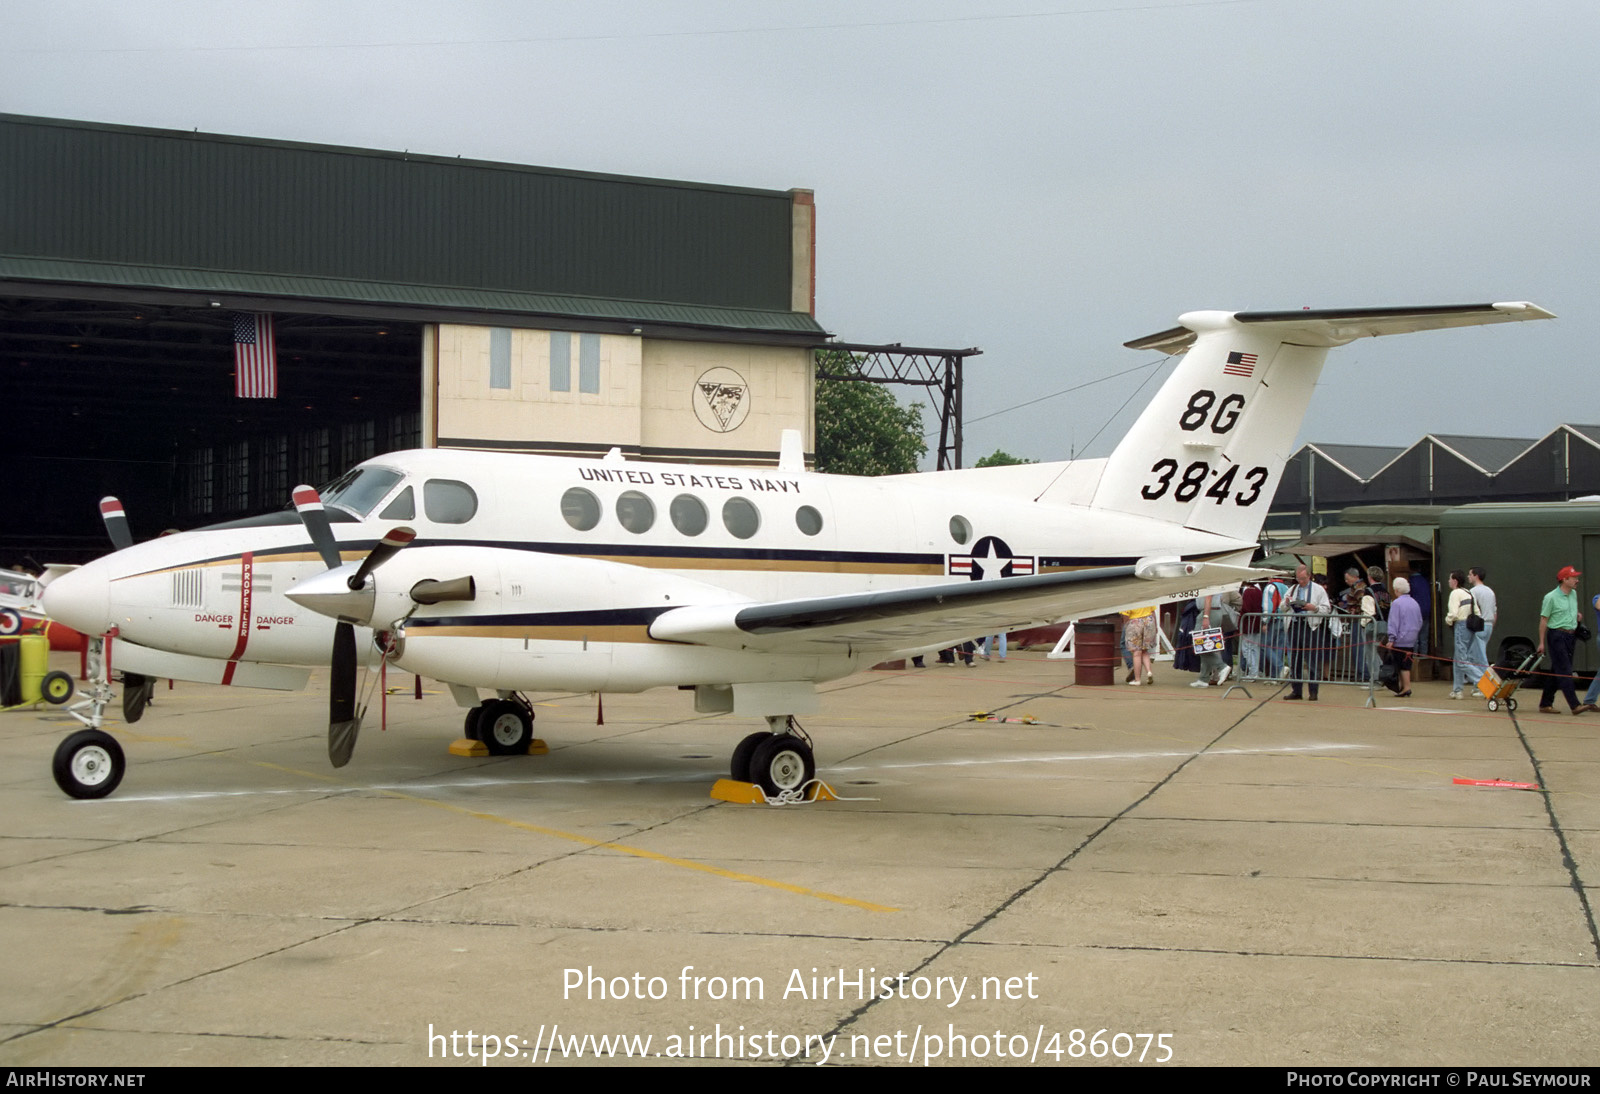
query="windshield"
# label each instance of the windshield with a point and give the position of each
(360, 490)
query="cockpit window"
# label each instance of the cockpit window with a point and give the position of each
(446, 501)
(403, 507)
(357, 491)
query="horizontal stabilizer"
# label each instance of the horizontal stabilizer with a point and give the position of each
(1337, 326)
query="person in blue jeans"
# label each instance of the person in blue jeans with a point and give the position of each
(1489, 608)
(1464, 670)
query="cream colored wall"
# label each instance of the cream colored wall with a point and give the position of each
(779, 389)
(646, 401)
(528, 411)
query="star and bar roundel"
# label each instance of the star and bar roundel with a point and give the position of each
(990, 560)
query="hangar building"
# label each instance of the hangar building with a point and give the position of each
(407, 301)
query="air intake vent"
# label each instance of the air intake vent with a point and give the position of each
(188, 589)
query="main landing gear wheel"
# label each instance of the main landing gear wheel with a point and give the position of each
(743, 753)
(505, 727)
(782, 763)
(469, 728)
(56, 687)
(88, 764)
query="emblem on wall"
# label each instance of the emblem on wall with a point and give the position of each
(721, 399)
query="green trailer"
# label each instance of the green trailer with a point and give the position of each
(1521, 546)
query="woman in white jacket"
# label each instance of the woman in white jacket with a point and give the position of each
(1460, 609)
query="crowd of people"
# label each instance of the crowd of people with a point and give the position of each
(1297, 630)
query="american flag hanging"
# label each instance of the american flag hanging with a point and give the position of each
(255, 359)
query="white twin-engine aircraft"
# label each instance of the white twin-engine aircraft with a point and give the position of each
(514, 573)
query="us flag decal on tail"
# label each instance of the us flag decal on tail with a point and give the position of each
(1240, 364)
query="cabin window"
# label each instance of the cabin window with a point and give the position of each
(689, 514)
(808, 520)
(636, 512)
(580, 508)
(741, 517)
(960, 530)
(446, 501)
(403, 507)
(358, 491)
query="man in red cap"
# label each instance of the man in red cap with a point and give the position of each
(1558, 618)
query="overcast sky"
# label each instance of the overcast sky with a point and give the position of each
(1044, 180)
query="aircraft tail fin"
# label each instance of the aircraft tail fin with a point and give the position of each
(1208, 451)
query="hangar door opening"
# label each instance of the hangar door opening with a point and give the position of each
(141, 401)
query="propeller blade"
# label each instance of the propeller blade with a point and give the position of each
(386, 549)
(116, 522)
(429, 591)
(308, 503)
(343, 722)
(136, 691)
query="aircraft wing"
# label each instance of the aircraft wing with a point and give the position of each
(940, 615)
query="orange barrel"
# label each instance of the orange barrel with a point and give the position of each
(1097, 650)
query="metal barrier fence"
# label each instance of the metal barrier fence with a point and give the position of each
(1310, 650)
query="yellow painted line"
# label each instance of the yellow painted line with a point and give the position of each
(589, 841)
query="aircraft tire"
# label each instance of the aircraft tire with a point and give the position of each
(469, 727)
(781, 764)
(505, 728)
(743, 752)
(88, 764)
(56, 687)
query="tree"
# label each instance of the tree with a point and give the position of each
(861, 429)
(1000, 458)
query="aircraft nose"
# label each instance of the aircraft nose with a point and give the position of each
(81, 599)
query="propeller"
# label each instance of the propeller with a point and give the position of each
(116, 521)
(136, 692)
(136, 689)
(346, 594)
(344, 723)
(308, 503)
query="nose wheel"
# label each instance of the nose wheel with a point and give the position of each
(89, 764)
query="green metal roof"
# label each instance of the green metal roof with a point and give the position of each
(300, 293)
(119, 206)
